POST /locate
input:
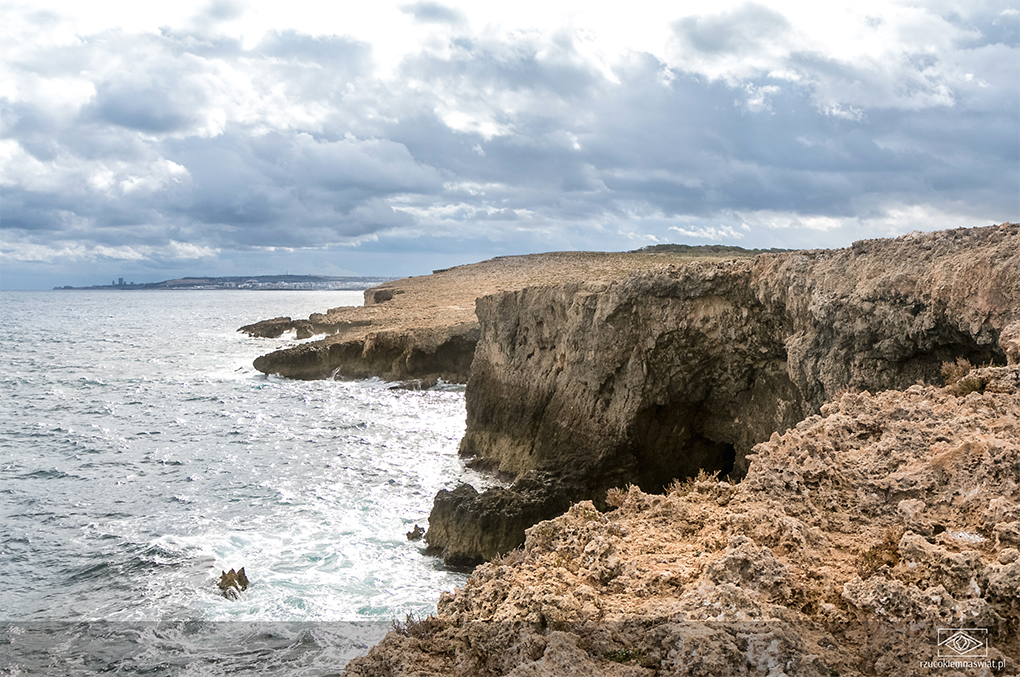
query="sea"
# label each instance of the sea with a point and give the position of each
(141, 455)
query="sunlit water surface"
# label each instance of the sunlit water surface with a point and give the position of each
(141, 454)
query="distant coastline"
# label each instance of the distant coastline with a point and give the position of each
(257, 282)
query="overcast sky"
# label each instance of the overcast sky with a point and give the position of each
(155, 140)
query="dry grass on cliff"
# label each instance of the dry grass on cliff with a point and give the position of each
(447, 297)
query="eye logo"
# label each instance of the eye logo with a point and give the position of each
(963, 642)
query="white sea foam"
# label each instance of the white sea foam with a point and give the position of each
(146, 455)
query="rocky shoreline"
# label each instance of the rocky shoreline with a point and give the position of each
(852, 540)
(579, 388)
(804, 549)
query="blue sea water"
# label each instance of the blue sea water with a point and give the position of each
(141, 454)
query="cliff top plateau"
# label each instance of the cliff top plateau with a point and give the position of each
(425, 327)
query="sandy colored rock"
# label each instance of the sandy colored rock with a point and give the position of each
(1009, 341)
(853, 538)
(665, 373)
(425, 327)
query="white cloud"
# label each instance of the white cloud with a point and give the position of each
(137, 133)
(73, 174)
(714, 233)
(846, 112)
(759, 98)
(77, 252)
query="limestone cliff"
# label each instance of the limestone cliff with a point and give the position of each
(853, 538)
(590, 386)
(425, 327)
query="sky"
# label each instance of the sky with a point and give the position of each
(157, 140)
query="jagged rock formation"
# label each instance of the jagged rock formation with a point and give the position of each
(425, 328)
(233, 583)
(596, 385)
(278, 326)
(852, 540)
(495, 518)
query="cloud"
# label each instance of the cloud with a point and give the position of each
(710, 233)
(741, 31)
(433, 13)
(145, 146)
(77, 252)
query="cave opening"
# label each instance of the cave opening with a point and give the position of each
(669, 443)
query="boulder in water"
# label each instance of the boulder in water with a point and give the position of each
(233, 583)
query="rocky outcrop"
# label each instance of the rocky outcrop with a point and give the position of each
(443, 352)
(1009, 339)
(655, 377)
(424, 329)
(853, 541)
(303, 329)
(274, 328)
(232, 583)
(500, 517)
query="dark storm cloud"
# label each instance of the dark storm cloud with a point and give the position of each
(154, 106)
(295, 190)
(493, 144)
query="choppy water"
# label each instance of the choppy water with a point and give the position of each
(140, 454)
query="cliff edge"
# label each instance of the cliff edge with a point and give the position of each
(581, 387)
(855, 540)
(425, 328)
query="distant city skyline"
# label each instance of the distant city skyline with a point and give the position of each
(257, 282)
(388, 139)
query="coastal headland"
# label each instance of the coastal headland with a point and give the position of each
(816, 528)
(251, 282)
(425, 328)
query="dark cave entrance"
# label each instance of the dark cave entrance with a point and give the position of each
(670, 443)
(678, 439)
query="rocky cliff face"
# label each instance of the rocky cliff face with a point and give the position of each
(443, 352)
(853, 538)
(424, 328)
(593, 386)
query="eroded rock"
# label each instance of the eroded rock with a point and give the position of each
(425, 327)
(274, 328)
(809, 566)
(233, 583)
(668, 373)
